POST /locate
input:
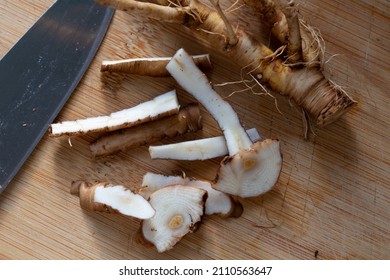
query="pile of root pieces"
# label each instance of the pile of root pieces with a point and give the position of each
(169, 207)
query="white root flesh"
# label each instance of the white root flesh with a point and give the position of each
(161, 106)
(200, 149)
(217, 203)
(179, 211)
(152, 182)
(194, 81)
(251, 172)
(110, 198)
(125, 201)
(251, 168)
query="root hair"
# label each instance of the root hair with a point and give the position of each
(318, 40)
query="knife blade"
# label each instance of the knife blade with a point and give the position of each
(40, 72)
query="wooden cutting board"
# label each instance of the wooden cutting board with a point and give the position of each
(333, 195)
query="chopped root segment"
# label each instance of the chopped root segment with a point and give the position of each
(109, 198)
(179, 211)
(200, 149)
(161, 106)
(246, 172)
(188, 119)
(154, 67)
(189, 76)
(217, 203)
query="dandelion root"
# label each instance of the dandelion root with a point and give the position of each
(306, 86)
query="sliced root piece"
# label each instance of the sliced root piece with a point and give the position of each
(179, 211)
(251, 172)
(241, 173)
(109, 198)
(217, 203)
(161, 106)
(154, 67)
(201, 149)
(194, 81)
(187, 120)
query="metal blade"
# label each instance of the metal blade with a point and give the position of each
(40, 72)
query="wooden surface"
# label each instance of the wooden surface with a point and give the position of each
(333, 195)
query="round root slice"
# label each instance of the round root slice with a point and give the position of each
(251, 172)
(217, 203)
(105, 197)
(179, 210)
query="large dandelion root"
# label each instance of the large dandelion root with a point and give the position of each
(306, 86)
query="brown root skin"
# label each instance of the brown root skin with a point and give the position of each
(271, 15)
(168, 14)
(188, 119)
(85, 191)
(307, 87)
(279, 20)
(295, 53)
(149, 67)
(142, 68)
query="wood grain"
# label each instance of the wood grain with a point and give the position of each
(333, 195)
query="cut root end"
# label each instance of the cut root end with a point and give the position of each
(251, 172)
(109, 198)
(161, 106)
(179, 210)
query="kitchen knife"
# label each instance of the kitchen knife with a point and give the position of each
(41, 71)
